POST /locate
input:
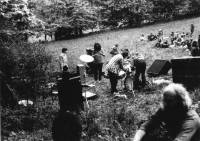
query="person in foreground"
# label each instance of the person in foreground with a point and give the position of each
(66, 127)
(182, 123)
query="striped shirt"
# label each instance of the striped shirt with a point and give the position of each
(115, 64)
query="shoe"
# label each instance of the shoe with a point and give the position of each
(116, 93)
(95, 82)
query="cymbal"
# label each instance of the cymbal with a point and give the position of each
(86, 58)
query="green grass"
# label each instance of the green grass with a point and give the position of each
(107, 118)
(126, 38)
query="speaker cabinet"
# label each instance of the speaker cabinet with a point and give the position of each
(70, 92)
(186, 71)
(159, 67)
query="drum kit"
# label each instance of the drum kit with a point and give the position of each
(86, 58)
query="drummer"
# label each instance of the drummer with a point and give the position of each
(139, 65)
(114, 66)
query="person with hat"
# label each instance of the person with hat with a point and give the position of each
(63, 60)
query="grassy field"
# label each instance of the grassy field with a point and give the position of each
(108, 118)
(128, 113)
(127, 38)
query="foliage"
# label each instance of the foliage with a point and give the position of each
(16, 18)
(77, 15)
(25, 65)
(107, 118)
(25, 120)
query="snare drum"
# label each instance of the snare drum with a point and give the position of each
(122, 74)
(128, 83)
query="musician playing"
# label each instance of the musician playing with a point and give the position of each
(113, 67)
(139, 65)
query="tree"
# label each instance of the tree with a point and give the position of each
(77, 15)
(17, 19)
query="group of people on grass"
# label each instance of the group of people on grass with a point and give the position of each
(113, 67)
(175, 113)
(175, 39)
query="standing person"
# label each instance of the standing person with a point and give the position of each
(113, 67)
(63, 60)
(191, 30)
(194, 49)
(199, 43)
(160, 34)
(98, 62)
(139, 65)
(172, 38)
(182, 123)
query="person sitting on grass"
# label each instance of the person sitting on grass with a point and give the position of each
(152, 37)
(181, 122)
(158, 44)
(142, 38)
(165, 44)
(66, 127)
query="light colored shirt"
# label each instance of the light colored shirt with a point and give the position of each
(115, 64)
(63, 60)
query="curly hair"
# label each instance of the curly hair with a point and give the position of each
(66, 127)
(181, 95)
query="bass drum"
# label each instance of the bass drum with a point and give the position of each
(128, 83)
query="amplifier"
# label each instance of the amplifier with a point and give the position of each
(186, 71)
(159, 67)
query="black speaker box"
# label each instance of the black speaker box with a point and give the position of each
(186, 71)
(70, 92)
(159, 67)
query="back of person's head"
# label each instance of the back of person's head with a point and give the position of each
(97, 47)
(64, 49)
(66, 127)
(194, 44)
(124, 54)
(179, 94)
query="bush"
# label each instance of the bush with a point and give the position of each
(25, 65)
